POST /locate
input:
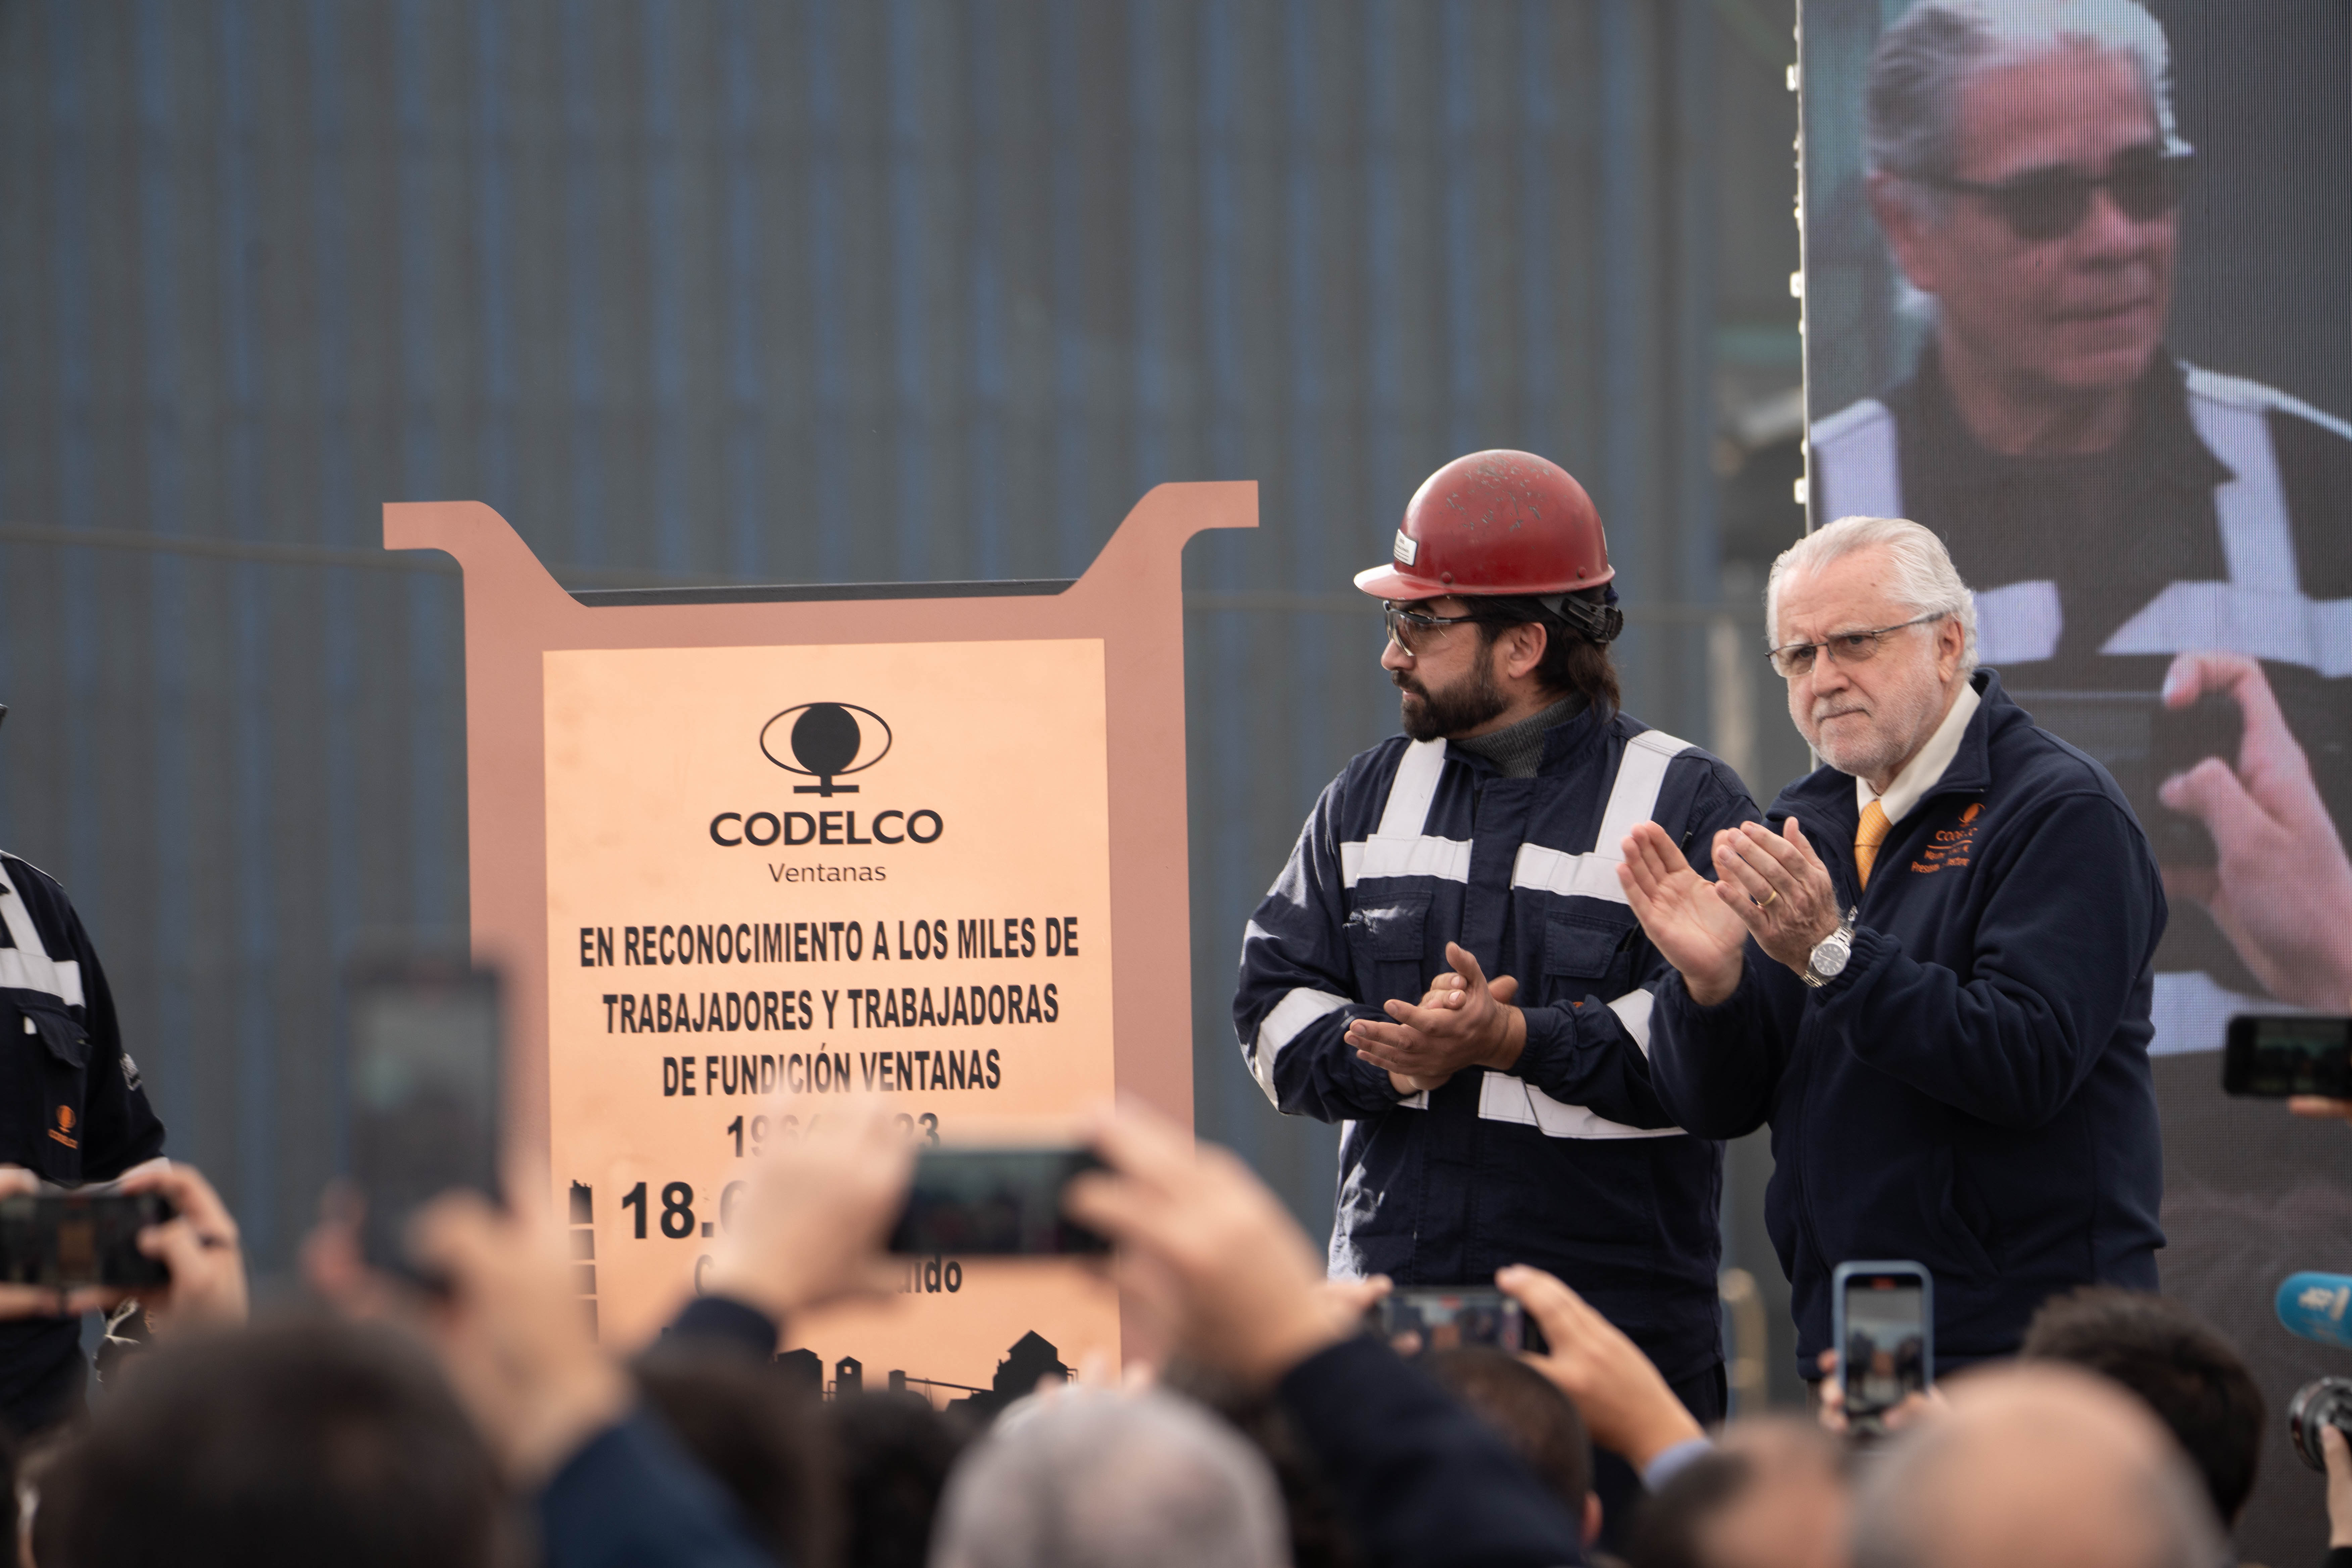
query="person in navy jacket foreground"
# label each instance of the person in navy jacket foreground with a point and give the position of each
(1931, 973)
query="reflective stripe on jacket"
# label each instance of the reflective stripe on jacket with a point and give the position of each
(1567, 1161)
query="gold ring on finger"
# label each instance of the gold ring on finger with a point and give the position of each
(1767, 903)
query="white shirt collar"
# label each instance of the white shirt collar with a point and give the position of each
(1926, 770)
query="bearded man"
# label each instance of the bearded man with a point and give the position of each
(1510, 1119)
(1929, 969)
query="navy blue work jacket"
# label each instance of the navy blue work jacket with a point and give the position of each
(1972, 1093)
(1567, 1161)
(71, 1107)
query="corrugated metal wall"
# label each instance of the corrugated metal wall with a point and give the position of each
(743, 290)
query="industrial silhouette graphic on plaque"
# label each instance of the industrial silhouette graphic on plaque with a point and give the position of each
(803, 1369)
(1032, 1360)
(826, 739)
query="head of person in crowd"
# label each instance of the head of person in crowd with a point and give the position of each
(1092, 1479)
(2184, 1370)
(1498, 597)
(760, 1437)
(2025, 170)
(2035, 1465)
(1773, 1494)
(1874, 633)
(295, 1441)
(1542, 1423)
(1318, 1537)
(892, 1453)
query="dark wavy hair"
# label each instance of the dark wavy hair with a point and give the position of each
(1572, 663)
(2193, 1379)
(301, 1440)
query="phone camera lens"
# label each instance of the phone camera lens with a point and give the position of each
(2323, 1401)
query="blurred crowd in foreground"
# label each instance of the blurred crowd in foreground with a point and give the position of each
(479, 1422)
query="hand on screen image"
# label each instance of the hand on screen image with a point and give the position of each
(1623, 1397)
(2282, 888)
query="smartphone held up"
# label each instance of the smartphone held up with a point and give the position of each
(2274, 1055)
(63, 1240)
(993, 1203)
(1885, 1327)
(424, 1086)
(1422, 1319)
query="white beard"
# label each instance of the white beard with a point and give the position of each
(1890, 735)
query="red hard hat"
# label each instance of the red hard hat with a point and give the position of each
(1494, 523)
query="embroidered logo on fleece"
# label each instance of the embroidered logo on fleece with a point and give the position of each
(1953, 845)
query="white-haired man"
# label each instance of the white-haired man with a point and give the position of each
(1930, 974)
(2141, 532)
(2041, 1466)
(1090, 1478)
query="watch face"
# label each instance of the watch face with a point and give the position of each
(1828, 958)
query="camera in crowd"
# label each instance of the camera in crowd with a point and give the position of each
(2322, 1401)
(2315, 1306)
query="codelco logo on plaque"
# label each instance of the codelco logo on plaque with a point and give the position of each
(734, 844)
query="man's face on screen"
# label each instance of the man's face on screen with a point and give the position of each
(2079, 313)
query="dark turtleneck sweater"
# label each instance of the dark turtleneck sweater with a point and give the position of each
(1516, 750)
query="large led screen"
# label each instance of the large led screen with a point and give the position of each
(2078, 296)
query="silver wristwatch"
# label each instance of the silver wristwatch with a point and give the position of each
(1828, 959)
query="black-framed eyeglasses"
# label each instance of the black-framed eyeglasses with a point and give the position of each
(2144, 182)
(1796, 659)
(1416, 630)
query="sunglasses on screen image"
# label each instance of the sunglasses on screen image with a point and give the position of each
(2144, 182)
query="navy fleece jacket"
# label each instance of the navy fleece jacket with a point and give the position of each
(632, 1498)
(1425, 1482)
(1973, 1092)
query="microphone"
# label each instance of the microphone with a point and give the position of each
(2317, 1307)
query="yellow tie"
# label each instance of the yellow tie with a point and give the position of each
(1868, 837)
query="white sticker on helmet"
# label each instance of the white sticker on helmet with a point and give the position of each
(1406, 549)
